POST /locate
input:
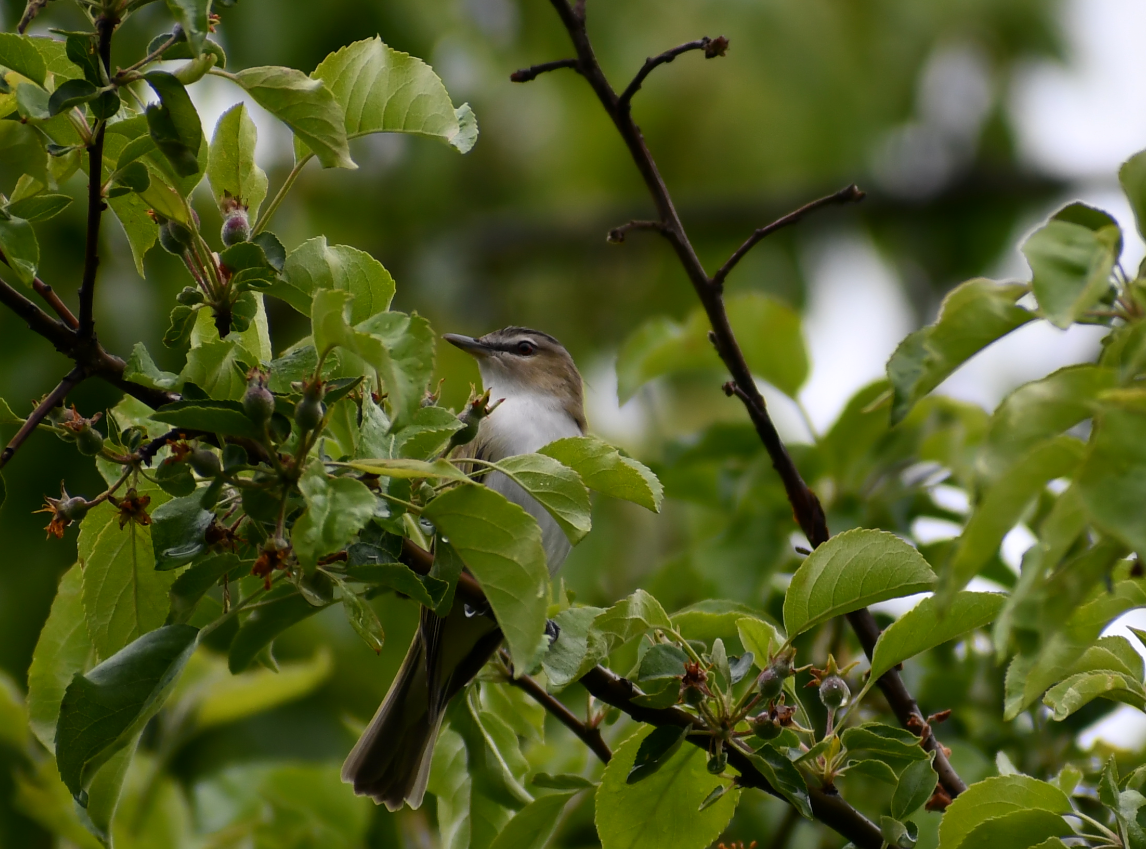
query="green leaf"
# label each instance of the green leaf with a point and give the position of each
(223, 417)
(142, 369)
(232, 170)
(336, 510)
(195, 582)
(927, 625)
(1001, 507)
(18, 241)
(382, 90)
(497, 766)
(124, 597)
(141, 232)
(39, 207)
(1039, 410)
(361, 616)
(226, 698)
(314, 266)
(630, 618)
(424, 589)
(562, 781)
(849, 571)
(426, 436)
(556, 487)
(178, 530)
(18, 53)
(664, 660)
(1020, 830)
(501, 545)
(410, 344)
(219, 368)
(1079, 690)
(576, 648)
(915, 787)
(410, 469)
(1132, 176)
(603, 469)
(760, 638)
(973, 315)
(306, 106)
(105, 708)
(1112, 480)
(192, 15)
(69, 94)
(174, 124)
(7, 417)
(1071, 264)
(768, 331)
(282, 607)
(898, 834)
(62, 650)
(662, 810)
(994, 798)
(783, 775)
(534, 825)
(895, 747)
(23, 150)
(655, 750)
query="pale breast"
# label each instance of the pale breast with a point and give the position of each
(521, 425)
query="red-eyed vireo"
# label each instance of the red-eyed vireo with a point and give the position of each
(543, 401)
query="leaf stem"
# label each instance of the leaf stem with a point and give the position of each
(265, 218)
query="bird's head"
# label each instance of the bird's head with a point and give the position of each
(519, 361)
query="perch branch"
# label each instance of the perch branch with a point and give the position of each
(589, 735)
(617, 234)
(805, 505)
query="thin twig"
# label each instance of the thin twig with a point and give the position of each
(534, 71)
(39, 321)
(617, 234)
(805, 505)
(105, 27)
(851, 194)
(590, 736)
(33, 8)
(712, 48)
(53, 400)
(53, 300)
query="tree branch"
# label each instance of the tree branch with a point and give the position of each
(589, 735)
(805, 505)
(53, 399)
(851, 194)
(534, 71)
(617, 234)
(53, 300)
(712, 48)
(105, 27)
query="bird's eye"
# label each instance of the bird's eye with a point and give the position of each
(526, 348)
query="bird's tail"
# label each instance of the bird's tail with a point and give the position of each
(391, 761)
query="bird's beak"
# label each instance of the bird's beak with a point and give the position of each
(467, 343)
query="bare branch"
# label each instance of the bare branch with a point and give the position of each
(712, 48)
(590, 736)
(54, 399)
(851, 194)
(534, 71)
(38, 320)
(96, 205)
(33, 8)
(617, 234)
(53, 300)
(805, 505)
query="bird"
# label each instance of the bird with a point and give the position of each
(541, 400)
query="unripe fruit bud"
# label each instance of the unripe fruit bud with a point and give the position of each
(834, 692)
(190, 296)
(89, 441)
(205, 462)
(782, 663)
(310, 410)
(194, 70)
(236, 227)
(718, 762)
(175, 238)
(73, 509)
(764, 728)
(258, 402)
(769, 684)
(693, 696)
